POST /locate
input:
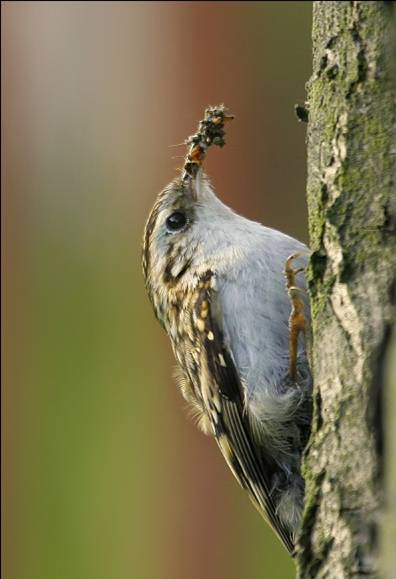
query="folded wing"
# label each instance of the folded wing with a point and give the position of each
(223, 399)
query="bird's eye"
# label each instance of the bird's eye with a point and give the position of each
(176, 221)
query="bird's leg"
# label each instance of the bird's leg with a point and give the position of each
(297, 322)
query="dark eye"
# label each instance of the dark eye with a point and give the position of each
(176, 221)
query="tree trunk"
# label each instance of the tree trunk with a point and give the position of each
(352, 217)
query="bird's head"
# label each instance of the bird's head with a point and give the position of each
(184, 228)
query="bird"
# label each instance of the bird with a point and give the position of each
(231, 295)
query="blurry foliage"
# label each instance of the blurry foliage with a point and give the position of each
(105, 477)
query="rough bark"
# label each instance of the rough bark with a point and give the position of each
(352, 216)
(388, 535)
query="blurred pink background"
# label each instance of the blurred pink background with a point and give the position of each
(105, 476)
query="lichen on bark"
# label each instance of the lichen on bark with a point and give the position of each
(352, 217)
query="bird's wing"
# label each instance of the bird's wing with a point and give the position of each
(223, 398)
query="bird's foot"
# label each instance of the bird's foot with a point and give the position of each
(297, 321)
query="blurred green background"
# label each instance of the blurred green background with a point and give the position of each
(105, 476)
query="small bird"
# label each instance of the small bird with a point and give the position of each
(238, 331)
